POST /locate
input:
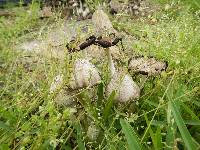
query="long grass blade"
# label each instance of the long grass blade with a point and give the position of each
(100, 95)
(79, 137)
(132, 139)
(187, 138)
(171, 130)
(188, 110)
(151, 132)
(4, 126)
(158, 138)
(108, 106)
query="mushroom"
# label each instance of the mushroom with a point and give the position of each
(126, 88)
(84, 75)
(93, 132)
(57, 82)
(147, 65)
(102, 22)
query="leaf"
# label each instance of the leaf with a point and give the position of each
(158, 138)
(133, 142)
(4, 126)
(187, 138)
(171, 130)
(158, 123)
(108, 106)
(79, 137)
(100, 95)
(4, 147)
(153, 136)
(196, 103)
(187, 109)
(192, 122)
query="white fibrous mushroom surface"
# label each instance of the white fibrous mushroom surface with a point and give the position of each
(93, 132)
(56, 84)
(84, 74)
(126, 89)
(102, 22)
(31, 46)
(65, 98)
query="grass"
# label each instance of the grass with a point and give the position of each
(166, 116)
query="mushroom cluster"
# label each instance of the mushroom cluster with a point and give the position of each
(85, 74)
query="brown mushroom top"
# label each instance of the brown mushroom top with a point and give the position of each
(147, 65)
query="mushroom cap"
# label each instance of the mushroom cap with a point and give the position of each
(93, 132)
(57, 83)
(147, 66)
(126, 88)
(102, 22)
(84, 74)
(65, 98)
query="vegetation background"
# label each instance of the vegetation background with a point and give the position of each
(166, 116)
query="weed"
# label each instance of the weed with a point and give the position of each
(165, 116)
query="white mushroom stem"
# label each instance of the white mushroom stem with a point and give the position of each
(111, 65)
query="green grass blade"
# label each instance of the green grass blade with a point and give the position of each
(192, 122)
(170, 138)
(79, 137)
(4, 126)
(188, 110)
(196, 103)
(108, 106)
(100, 95)
(158, 138)
(187, 138)
(171, 130)
(133, 142)
(155, 137)
(151, 132)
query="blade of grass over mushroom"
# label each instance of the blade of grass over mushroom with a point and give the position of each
(100, 95)
(187, 138)
(79, 136)
(131, 137)
(108, 106)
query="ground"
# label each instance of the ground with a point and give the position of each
(165, 116)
